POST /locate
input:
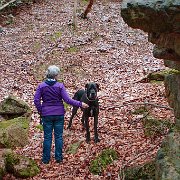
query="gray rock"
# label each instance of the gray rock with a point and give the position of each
(13, 107)
(20, 166)
(167, 160)
(161, 19)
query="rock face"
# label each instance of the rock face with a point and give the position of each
(20, 166)
(12, 107)
(161, 19)
(14, 124)
(14, 132)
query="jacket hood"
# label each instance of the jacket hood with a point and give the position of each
(50, 82)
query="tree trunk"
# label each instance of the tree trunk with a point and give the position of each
(75, 15)
(88, 9)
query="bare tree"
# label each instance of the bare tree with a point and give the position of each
(75, 15)
(88, 9)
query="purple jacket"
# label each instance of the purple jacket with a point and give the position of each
(49, 97)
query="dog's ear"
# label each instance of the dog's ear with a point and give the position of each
(97, 85)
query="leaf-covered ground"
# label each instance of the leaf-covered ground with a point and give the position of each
(102, 49)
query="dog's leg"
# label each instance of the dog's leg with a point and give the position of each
(96, 139)
(83, 121)
(87, 129)
(74, 111)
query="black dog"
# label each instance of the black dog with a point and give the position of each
(88, 96)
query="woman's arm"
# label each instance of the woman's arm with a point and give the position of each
(71, 101)
(37, 99)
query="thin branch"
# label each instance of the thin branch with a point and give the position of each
(151, 104)
(138, 155)
(145, 104)
(137, 120)
(7, 4)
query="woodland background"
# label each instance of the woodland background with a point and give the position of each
(103, 49)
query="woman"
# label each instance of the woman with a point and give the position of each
(52, 94)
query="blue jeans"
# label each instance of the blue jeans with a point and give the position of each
(50, 123)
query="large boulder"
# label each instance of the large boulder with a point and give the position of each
(2, 164)
(15, 123)
(168, 158)
(12, 107)
(172, 84)
(15, 117)
(20, 166)
(14, 132)
(161, 19)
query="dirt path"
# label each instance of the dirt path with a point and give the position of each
(102, 49)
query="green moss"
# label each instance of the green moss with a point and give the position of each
(154, 77)
(155, 127)
(11, 159)
(2, 172)
(140, 110)
(40, 127)
(171, 71)
(156, 82)
(100, 162)
(30, 171)
(74, 147)
(22, 121)
(72, 49)
(20, 166)
(37, 46)
(17, 128)
(145, 172)
(65, 105)
(55, 36)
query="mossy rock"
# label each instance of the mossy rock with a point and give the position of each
(140, 110)
(73, 148)
(20, 166)
(12, 107)
(168, 157)
(40, 127)
(14, 132)
(160, 75)
(2, 164)
(144, 172)
(106, 157)
(154, 127)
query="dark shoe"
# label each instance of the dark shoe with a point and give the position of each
(59, 161)
(45, 162)
(96, 140)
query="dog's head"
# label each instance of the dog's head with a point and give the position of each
(91, 90)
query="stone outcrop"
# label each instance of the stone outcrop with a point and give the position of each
(14, 132)
(14, 125)
(161, 20)
(18, 165)
(12, 107)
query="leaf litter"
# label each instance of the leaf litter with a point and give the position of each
(102, 49)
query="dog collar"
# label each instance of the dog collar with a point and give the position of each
(90, 99)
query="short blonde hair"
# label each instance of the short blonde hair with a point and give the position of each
(52, 71)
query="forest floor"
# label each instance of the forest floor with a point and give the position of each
(102, 49)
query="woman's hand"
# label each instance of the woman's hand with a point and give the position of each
(84, 105)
